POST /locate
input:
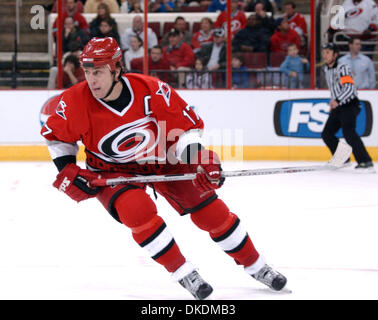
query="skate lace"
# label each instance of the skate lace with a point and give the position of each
(266, 275)
(192, 282)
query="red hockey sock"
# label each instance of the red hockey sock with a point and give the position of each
(137, 211)
(225, 229)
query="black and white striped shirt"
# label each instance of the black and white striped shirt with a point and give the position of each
(342, 89)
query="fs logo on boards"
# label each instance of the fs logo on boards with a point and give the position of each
(305, 118)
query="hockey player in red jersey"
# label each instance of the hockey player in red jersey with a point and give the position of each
(135, 124)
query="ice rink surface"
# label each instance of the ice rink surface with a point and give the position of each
(320, 229)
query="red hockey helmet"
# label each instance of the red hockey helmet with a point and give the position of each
(101, 52)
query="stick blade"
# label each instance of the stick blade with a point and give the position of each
(342, 154)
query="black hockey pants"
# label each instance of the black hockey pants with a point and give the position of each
(345, 117)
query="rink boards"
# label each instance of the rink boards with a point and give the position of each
(239, 124)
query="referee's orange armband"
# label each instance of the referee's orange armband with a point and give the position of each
(346, 79)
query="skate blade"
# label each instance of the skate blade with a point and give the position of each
(346, 165)
(286, 290)
(365, 171)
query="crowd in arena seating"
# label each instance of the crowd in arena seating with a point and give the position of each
(264, 35)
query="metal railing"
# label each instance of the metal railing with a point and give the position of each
(243, 79)
(18, 4)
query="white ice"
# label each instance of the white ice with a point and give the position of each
(320, 229)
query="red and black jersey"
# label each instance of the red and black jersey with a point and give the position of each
(238, 21)
(153, 127)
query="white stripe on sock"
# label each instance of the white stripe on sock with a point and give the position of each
(182, 272)
(256, 266)
(234, 239)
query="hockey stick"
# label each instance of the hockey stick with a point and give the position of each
(341, 155)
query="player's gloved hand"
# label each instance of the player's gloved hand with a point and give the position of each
(207, 165)
(75, 182)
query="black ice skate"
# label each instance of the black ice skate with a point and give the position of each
(270, 277)
(196, 285)
(367, 167)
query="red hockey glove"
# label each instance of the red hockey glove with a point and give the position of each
(74, 182)
(207, 165)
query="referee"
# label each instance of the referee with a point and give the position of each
(344, 108)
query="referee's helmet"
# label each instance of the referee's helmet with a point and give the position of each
(331, 46)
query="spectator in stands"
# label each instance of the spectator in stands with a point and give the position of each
(91, 6)
(124, 6)
(253, 38)
(362, 67)
(102, 14)
(204, 35)
(294, 67)
(75, 48)
(240, 76)
(267, 21)
(78, 18)
(278, 4)
(361, 18)
(199, 79)
(298, 23)
(283, 36)
(179, 55)
(251, 6)
(136, 50)
(181, 26)
(137, 30)
(180, 4)
(217, 5)
(71, 34)
(162, 6)
(238, 19)
(108, 28)
(136, 7)
(70, 6)
(72, 71)
(156, 61)
(214, 54)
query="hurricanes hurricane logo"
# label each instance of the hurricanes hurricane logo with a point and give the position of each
(165, 92)
(235, 25)
(61, 109)
(353, 13)
(132, 141)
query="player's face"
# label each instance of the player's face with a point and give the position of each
(99, 80)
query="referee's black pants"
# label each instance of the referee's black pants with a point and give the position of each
(345, 117)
